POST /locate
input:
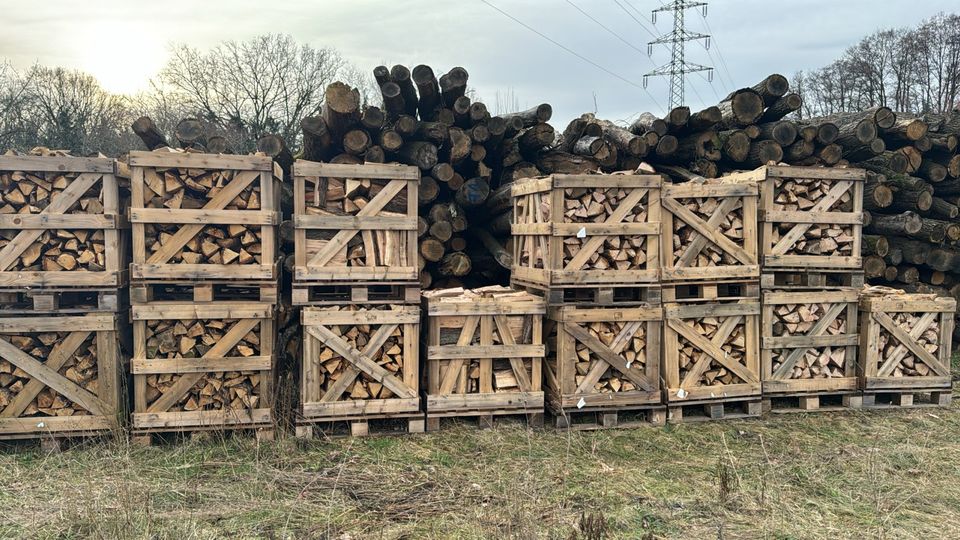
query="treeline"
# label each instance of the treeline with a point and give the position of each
(239, 90)
(913, 70)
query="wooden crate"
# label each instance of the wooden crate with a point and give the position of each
(200, 217)
(202, 367)
(710, 351)
(594, 231)
(714, 241)
(484, 353)
(71, 237)
(905, 341)
(808, 342)
(344, 375)
(603, 359)
(61, 376)
(810, 217)
(337, 240)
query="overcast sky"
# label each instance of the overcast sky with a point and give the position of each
(125, 42)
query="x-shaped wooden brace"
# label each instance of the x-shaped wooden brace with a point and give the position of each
(624, 208)
(220, 201)
(609, 357)
(908, 343)
(824, 204)
(340, 240)
(360, 361)
(47, 374)
(712, 351)
(466, 337)
(817, 329)
(187, 380)
(707, 231)
(58, 204)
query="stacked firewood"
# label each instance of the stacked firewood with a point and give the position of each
(797, 320)
(801, 195)
(192, 189)
(232, 390)
(27, 192)
(734, 346)
(590, 205)
(333, 365)
(890, 347)
(466, 155)
(911, 198)
(634, 353)
(80, 368)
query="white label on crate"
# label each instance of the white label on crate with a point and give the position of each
(629, 364)
(582, 233)
(41, 425)
(681, 393)
(582, 403)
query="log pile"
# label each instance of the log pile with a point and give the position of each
(825, 362)
(221, 390)
(466, 154)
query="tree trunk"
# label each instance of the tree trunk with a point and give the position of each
(149, 133)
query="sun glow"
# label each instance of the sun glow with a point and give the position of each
(123, 57)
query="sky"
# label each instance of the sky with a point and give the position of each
(125, 42)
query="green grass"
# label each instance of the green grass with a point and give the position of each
(828, 475)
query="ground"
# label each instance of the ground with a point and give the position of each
(827, 475)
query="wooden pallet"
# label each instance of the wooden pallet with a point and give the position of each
(485, 419)
(783, 228)
(791, 352)
(599, 295)
(56, 371)
(332, 294)
(694, 362)
(62, 300)
(706, 291)
(910, 398)
(609, 418)
(893, 356)
(540, 254)
(149, 437)
(236, 366)
(254, 177)
(811, 278)
(484, 351)
(343, 377)
(605, 373)
(812, 402)
(717, 409)
(53, 442)
(361, 426)
(688, 238)
(386, 224)
(206, 291)
(81, 195)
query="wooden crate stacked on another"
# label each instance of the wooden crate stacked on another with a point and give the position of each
(62, 275)
(811, 222)
(484, 354)
(588, 237)
(355, 234)
(591, 244)
(360, 368)
(808, 349)
(204, 290)
(905, 346)
(709, 240)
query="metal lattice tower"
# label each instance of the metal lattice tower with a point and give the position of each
(678, 66)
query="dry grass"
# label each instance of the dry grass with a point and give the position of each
(829, 475)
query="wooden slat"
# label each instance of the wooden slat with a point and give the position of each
(63, 164)
(368, 170)
(204, 217)
(195, 160)
(59, 221)
(149, 366)
(355, 222)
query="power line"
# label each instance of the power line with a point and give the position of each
(723, 61)
(616, 35)
(571, 51)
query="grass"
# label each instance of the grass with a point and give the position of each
(827, 475)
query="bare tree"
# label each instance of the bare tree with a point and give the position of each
(264, 85)
(69, 110)
(13, 96)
